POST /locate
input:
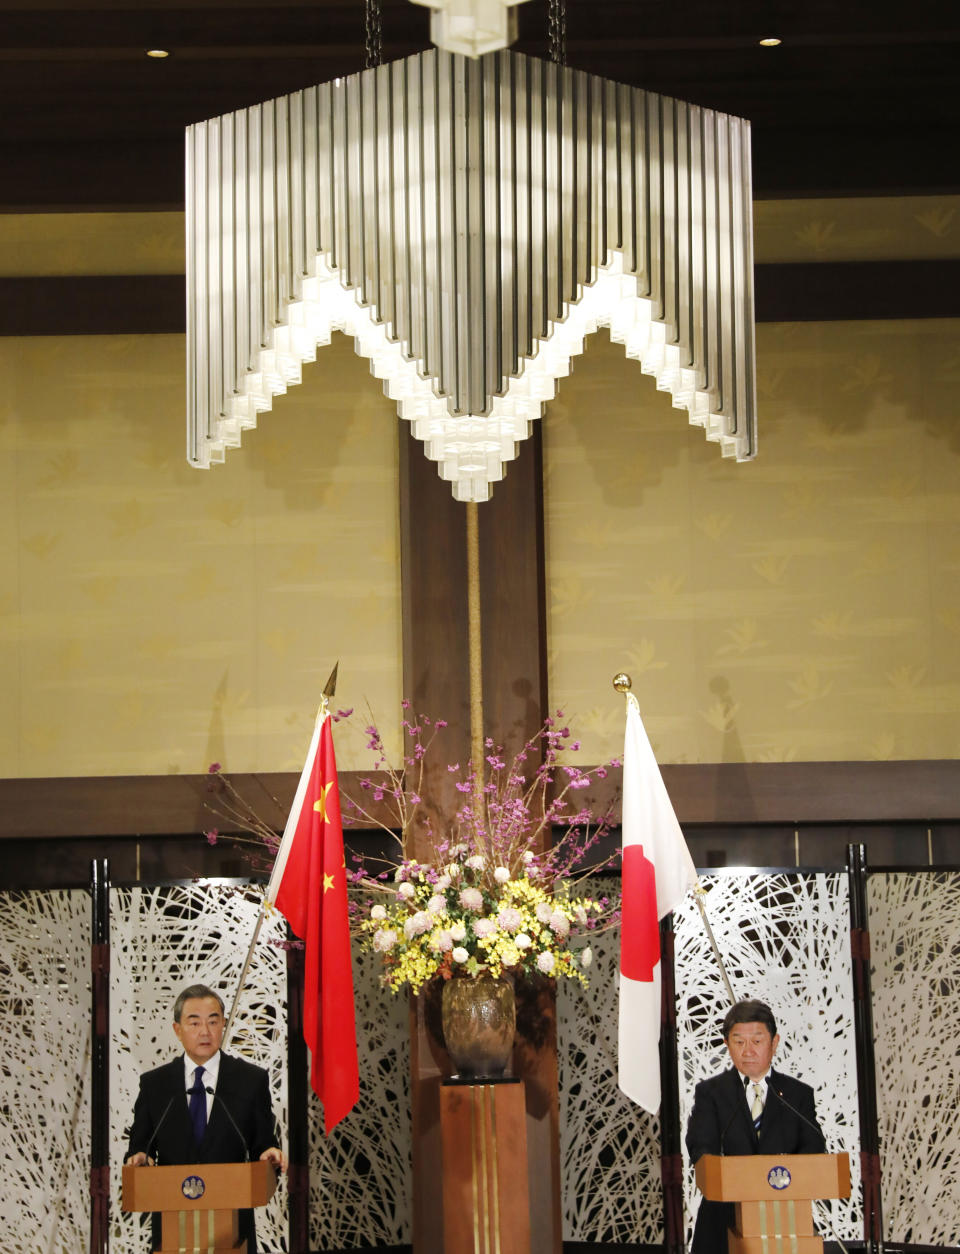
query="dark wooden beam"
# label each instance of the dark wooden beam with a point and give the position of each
(837, 291)
(109, 304)
(721, 793)
(789, 292)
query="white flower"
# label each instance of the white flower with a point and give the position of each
(406, 890)
(510, 956)
(458, 850)
(458, 931)
(510, 919)
(378, 912)
(399, 874)
(443, 941)
(475, 863)
(437, 904)
(459, 954)
(559, 924)
(417, 924)
(384, 940)
(546, 962)
(501, 874)
(543, 911)
(484, 927)
(586, 957)
(443, 883)
(471, 899)
(528, 856)
(453, 869)
(581, 915)
(522, 940)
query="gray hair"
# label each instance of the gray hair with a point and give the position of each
(194, 991)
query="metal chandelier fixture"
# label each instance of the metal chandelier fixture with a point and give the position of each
(469, 222)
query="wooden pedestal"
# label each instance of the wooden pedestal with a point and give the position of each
(486, 1206)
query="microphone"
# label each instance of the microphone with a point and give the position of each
(152, 1143)
(803, 1118)
(726, 1127)
(233, 1123)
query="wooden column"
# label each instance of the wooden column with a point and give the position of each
(486, 1205)
(436, 680)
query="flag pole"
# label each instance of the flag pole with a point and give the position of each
(699, 893)
(329, 691)
(243, 973)
(623, 684)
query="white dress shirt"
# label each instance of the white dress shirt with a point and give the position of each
(211, 1070)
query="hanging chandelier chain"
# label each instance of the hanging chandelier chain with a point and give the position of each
(373, 32)
(557, 31)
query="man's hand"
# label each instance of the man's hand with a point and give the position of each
(275, 1156)
(138, 1160)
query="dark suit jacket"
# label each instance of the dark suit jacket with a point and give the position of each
(162, 1128)
(720, 1110)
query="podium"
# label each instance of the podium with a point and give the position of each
(198, 1202)
(773, 1195)
(486, 1204)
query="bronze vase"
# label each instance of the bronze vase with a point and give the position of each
(479, 1023)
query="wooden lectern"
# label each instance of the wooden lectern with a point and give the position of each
(198, 1202)
(773, 1195)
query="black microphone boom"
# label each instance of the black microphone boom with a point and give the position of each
(233, 1123)
(152, 1143)
(803, 1118)
(726, 1127)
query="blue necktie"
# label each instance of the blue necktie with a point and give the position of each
(198, 1105)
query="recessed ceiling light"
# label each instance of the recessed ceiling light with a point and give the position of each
(770, 42)
(157, 52)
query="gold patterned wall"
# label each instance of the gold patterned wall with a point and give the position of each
(804, 606)
(155, 618)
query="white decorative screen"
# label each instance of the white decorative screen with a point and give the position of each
(915, 950)
(162, 940)
(785, 939)
(361, 1176)
(45, 1077)
(609, 1147)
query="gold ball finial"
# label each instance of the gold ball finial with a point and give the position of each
(622, 682)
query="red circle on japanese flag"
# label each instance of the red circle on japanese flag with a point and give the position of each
(640, 929)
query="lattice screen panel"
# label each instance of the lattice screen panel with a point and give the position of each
(609, 1148)
(163, 939)
(915, 950)
(45, 1077)
(361, 1177)
(785, 939)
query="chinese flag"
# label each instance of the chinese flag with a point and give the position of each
(657, 871)
(309, 887)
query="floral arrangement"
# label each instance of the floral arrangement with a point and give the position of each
(501, 895)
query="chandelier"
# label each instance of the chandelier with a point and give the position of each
(469, 222)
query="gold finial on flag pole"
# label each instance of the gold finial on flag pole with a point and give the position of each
(622, 682)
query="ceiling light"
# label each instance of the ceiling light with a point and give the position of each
(469, 223)
(159, 53)
(770, 42)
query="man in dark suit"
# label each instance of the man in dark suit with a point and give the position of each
(749, 1109)
(205, 1106)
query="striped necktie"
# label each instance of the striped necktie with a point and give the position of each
(756, 1103)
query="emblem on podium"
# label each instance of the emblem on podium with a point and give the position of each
(193, 1187)
(778, 1178)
